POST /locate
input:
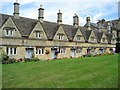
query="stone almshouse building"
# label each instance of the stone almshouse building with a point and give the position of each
(22, 37)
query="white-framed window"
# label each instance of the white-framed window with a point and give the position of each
(38, 34)
(103, 39)
(113, 40)
(92, 38)
(78, 37)
(9, 32)
(11, 50)
(62, 50)
(60, 36)
(79, 50)
(40, 51)
(101, 51)
(92, 50)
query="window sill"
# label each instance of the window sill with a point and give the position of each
(40, 54)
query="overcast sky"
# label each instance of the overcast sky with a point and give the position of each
(96, 9)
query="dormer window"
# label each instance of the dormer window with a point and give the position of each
(103, 40)
(92, 39)
(38, 34)
(60, 36)
(78, 37)
(113, 40)
(9, 32)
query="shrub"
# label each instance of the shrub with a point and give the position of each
(47, 52)
(9, 61)
(89, 55)
(82, 56)
(35, 59)
(27, 59)
(20, 60)
(3, 58)
(31, 60)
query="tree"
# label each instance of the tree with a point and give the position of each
(117, 48)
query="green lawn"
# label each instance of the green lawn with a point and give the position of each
(87, 72)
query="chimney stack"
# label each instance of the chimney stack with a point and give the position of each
(41, 13)
(98, 25)
(76, 21)
(59, 20)
(88, 23)
(109, 27)
(16, 9)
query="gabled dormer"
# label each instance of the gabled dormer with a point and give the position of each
(38, 32)
(113, 40)
(60, 34)
(79, 36)
(103, 39)
(9, 29)
(92, 37)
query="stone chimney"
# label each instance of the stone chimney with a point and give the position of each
(41, 13)
(16, 9)
(76, 21)
(103, 21)
(108, 27)
(59, 18)
(98, 25)
(88, 23)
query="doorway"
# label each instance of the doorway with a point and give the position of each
(54, 52)
(29, 53)
(72, 52)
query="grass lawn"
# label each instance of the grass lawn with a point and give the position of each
(87, 72)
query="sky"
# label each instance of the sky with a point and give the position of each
(96, 9)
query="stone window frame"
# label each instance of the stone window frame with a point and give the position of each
(92, 39)
(60, 36)
(11, 50)
(9, 32)
(78, 37)
(39, 51)
(79, 50)
(38, 34)
(62, 50)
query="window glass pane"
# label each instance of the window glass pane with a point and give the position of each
(38, 34)
(7, 32)
(7, 50)
(11, 32)
(36, 51)
(42, 51)
(11, 52)
(39, 51)
(14, 50)
(59, 37)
